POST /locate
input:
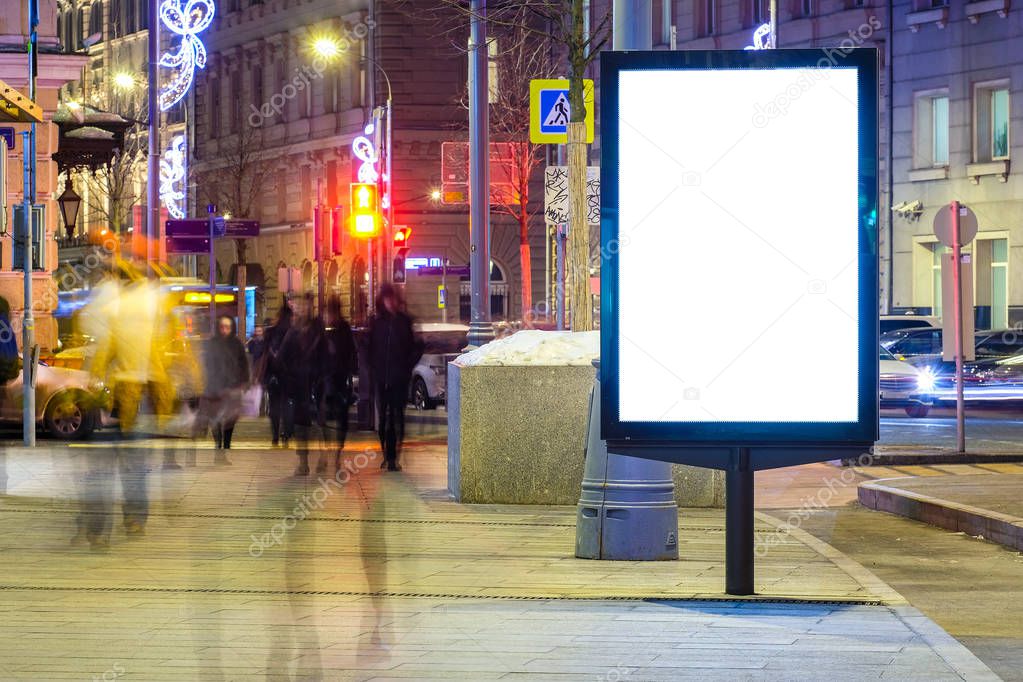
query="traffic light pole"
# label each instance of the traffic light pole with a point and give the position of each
(481, 330)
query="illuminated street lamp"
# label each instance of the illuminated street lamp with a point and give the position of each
(69, 202)
(124, 81)
(326, 47)
(435, 195)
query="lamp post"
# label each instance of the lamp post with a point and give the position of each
(69, 202)
(481, 330)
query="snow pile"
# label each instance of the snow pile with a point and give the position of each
(535, 347)
(91, 133)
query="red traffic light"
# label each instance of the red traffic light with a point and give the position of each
(401, 237)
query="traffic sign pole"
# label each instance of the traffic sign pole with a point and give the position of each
(213, 275)
(957, 303)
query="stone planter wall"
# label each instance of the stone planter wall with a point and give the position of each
(516, 435)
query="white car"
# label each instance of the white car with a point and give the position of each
(69, 402)
(892, 322)
(442, 342)
(903, 385)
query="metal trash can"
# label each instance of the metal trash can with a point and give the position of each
(627, 508)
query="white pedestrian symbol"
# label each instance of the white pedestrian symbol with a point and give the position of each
(558, 115)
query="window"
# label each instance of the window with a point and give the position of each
(706, 18)
(236, 101)
(937, 250)
(257, 87)
(114, 30)
(930, 145)
(279, 81)
(1000, 123)
(143, 14)
(80, 27)
(759, 13)
(130, 21)
(661, 23)
(999, 283)
(806, 8)
(213, 110)
(96, 19)
(991, 122)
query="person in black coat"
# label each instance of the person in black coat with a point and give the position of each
(301, 358)
(226, 370)
(394, 352)
(271, 373)
(338, 360)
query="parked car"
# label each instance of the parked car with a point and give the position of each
(442, 342)
(69, 403)
(893, 322)
(903, 385)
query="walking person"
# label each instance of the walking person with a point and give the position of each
(394, 352)
(301, 362)
(271, 374)
(335, 392)
(227, 373)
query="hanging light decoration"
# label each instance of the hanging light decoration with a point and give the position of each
(172, 178)
(186, 19)
(365, 151)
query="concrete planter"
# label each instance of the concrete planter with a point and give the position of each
(516, 435)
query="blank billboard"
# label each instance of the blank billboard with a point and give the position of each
(740, 247)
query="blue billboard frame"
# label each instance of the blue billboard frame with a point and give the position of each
(767, 444)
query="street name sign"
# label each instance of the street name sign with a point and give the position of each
(550, 111)
(194, 227)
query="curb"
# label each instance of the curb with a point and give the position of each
(889, 457)
(857, 571)
(958, 657)
(999, 528)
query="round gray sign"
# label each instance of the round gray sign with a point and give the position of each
(967, 225)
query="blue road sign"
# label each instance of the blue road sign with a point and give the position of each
(452, 270)
(554, 112)
(188, 244)
(195, 227)
(242, 228)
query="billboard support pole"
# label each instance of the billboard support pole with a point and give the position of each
(739, 524)
(957, 305)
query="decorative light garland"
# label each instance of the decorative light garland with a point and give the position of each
(185, 18)
(172, 174)
(365, 151)
(761, 38)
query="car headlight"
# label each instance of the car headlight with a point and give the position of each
(926, 380)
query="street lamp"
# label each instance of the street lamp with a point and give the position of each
(124, 80)
(326, 47)
(69, 203)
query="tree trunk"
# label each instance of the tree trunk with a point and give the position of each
(241, 280)
(525, 265)
(578, 270)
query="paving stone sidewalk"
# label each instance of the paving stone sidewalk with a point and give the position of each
(247, 572)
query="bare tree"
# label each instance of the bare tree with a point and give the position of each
(236, 182)
(560, 24)
(520, 57)
(237, 179)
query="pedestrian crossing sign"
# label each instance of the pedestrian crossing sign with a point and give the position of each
(549, 110)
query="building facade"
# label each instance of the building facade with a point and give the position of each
(55, 69)
(277, 117)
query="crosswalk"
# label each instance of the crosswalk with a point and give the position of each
(879, 472)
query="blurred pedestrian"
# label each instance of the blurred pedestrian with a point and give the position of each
(394, 352)
(335, 390)
(255, 347)
(227, 373)
(271, 373)
(301, 362)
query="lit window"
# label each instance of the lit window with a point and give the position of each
(930, 147)
(991, 122)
